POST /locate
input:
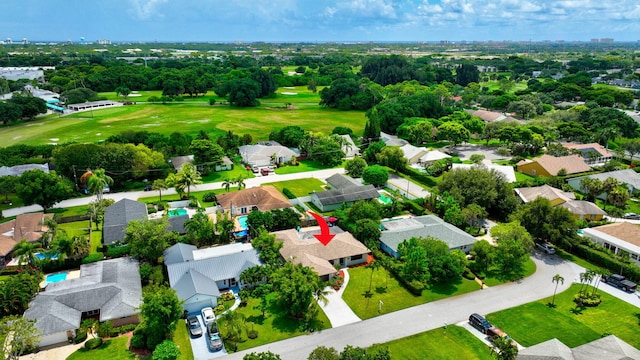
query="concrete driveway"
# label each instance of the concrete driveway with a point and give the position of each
(199, 344)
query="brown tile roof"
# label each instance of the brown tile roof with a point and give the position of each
(550, 193)
(592, 146)
(488, 116)
(265, 198)
(303, 248)
(573, 164)
(25, 226)
(623, 230)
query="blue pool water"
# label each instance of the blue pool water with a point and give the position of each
(242, 220)
(40, 256)
(51, 278)
(177, 212)
(384, 199)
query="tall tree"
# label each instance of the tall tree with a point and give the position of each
(557, 278)
(18, 335)
(38, 187)
(295, 286)
(26, 250)
(98, 181)
(161, 310)
(187, 177)
(393, 157)
(514, 244)
(148, 239)
(159, 185)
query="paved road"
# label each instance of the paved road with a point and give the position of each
(134, 195)
(429, 316)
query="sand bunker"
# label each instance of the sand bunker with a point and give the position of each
(289, 93)
(54, 139)
(134, 95)
(289, 87)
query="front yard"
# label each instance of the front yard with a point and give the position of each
(112, 349)
(304, 165)
(395, 297)
(535, 322)
(275, 326)
(299, 188)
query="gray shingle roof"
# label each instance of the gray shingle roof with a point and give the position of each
(552, 349)
(179, 252)
(117, 216)
(112, 286)
(397, 231)
(339, 181)
(627, 176)
(18, 170)
(214, 269)
(176, 223)
(353, 193)
(610, 348)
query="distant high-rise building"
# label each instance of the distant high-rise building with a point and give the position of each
(559, 41)
(595, 40)
(606, 40)
(9, 41)
(25, 41)
(104, 42)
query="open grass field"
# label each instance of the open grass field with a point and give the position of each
(184, 117)
(395, 297)
(276, 325)
(535, 322)
(302, 187)
(454, 342)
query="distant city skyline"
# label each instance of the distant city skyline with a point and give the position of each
(319, 20)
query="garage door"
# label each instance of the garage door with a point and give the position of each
(196, 306)
(54, 338)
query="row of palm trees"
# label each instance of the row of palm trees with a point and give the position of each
(617, 193)
(239, 181)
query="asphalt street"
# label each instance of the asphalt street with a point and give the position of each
(429, 316)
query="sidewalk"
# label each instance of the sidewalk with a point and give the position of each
(338, 312)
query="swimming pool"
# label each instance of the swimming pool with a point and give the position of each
(383, 198)
(177, 212)
(52, 278)
(242, 220)
(40, 256)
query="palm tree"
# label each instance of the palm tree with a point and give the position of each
(52, 231)
(504, 349)
(98, 181)
(608, 185)
(240, 182)
(26, 250)
(226, 183)
(320, 294)
(557, 278)
(618, 196)
(159, 185)
(63, 247)
(593, 187)
(588, 277)
(374, 265)
(80, 247)
(187, 177)
(601, 274)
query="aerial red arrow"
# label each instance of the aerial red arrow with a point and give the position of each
(324, 237)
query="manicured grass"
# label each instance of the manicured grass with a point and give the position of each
(523, 177)
(184, 117)
(181, 339)
(305, 165)
(81, 228)
(454, 342)
(578, 260)
(237, 171)
(275, 326)
(70, 211)
(302, 187)
(112, 349)
(14, 201)
(495, 276)
(395, 297)
(175, 197)
(535, 322)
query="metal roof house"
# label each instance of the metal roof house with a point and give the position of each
(198, 276)
(399, 230)
(627, 176)
(345, 190)
(109, 290)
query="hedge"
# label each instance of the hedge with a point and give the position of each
(118, 251)
(93, 343)
(288, 193)
(417, 175)
(80, 337)
(606, 260)
(413, 286)
(91, 258)
(209, 197)
(413, 208)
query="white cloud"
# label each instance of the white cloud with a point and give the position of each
(144, 9)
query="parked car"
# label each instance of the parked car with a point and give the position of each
(255, 169)
(546, 247)
(619, 281)
(264, 171)
(479, 322)
(493, 332)
(214, 341)
(193, 324)
(148, 188)
(208, 316)
(632, 216)
(213, 328)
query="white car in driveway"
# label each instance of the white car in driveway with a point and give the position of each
(208, 316)
(546, 247)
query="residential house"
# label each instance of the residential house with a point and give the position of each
(583, 210)
(392, 140)
(593, 154)
(17, 170)
(107, 290)
(301, 247)
(344, 190)
(432, 156)
(608, 347)
(506, 170)
(622, 236)
(25, 226)
(547, 165)
(118, 216)
(350, 149)
(266, 153)
(263, 198)
(398, 230)
(199, 276)
(488, 116)
(178, 161)
(413, 153)
(627, 176)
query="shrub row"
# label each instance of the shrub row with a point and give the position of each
(605, 259)
(288, 193)
(118, 251)
(93, 343)
(413, 207)
(209, 197)
(91, 258)
(418, 176)
(80, 337)
(413, 286)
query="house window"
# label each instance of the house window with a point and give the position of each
(634, 256)
(356, 257)
(90, 313)
(341, 261)
(243, 210)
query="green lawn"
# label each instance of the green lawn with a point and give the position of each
(185, 117)
(302, 187)
(454, 342)
(274, 327)
(175, 197)
(237, 171)
(14, 201)
(181, 338)
(535, 322)
(395, 297)
(81, 228)
(305, 165)
(522, 177)
(113, 349)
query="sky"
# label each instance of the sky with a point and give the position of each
(319, 20)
